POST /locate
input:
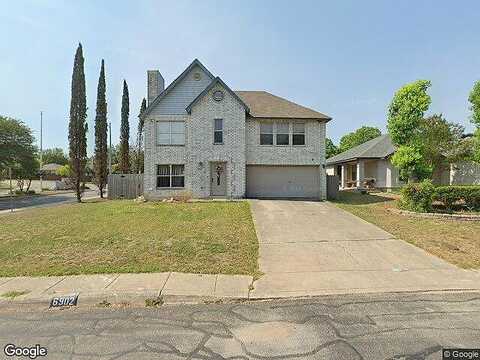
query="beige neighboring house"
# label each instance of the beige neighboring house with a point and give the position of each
(207, 140)
(369, 165)
(50, 169)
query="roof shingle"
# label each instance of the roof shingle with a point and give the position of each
(377, 148)
(265, 105)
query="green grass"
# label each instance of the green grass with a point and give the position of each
(124, 236)
(14, 294)
(457, 242)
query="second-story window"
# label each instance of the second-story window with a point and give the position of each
(170, 133)
(266, 134)
(218, 131)
(283, 134)
(298, 133)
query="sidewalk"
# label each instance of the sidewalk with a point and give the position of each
(117, 288)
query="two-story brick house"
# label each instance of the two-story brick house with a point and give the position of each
(204, 138)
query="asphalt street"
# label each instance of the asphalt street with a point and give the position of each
(386, 326)
(40, 200)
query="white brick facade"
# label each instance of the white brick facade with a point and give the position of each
(199, 150)
(241, 142)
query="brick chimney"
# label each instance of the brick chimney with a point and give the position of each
(155, 85)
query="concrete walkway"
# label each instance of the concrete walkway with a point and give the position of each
(127, 287)
(315, 248)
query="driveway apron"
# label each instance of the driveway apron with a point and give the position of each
(314, 248)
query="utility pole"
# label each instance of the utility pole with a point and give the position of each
(41, 150)
(110, 148)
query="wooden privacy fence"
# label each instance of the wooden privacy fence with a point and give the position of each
(125, 186)
(332, 186)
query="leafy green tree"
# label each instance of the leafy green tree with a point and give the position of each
(474, 100)
(125, 131)
(357, 137)
(330, 148)
(77, 129)
(26, 170)
(406, 112)
(139, 157)
(100, 161)
(405, 115)
(54, 156)
(410, 162)
(65, 171)
(442, 143)
(16, 144)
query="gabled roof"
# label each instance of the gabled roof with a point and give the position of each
(377, 148)
(194, 63)
(51, 167)
(215, 81)
(265, 105)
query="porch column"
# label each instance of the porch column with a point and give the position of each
(343, 176)
(360, 173)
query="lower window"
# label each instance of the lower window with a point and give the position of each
(170, 176)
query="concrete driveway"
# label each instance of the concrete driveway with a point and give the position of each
(314, 248)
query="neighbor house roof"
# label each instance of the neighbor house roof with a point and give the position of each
(195, 62)
(377, 148)
(51, 167)
(215, 81)
(265, 105)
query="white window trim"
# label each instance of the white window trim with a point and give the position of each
(290, 132)
(222, 131)
(297, 133)
(289, 123)
(170, 133)
(170, 176)
(260, 133)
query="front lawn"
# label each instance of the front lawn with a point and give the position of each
(457, 242)
(124, 236)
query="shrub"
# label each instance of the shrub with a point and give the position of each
(418, 196)
(454, 194)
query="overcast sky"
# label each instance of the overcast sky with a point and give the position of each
(342, 58)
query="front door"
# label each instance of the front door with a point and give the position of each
(218, 185)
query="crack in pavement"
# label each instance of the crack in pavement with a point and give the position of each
(388, 326)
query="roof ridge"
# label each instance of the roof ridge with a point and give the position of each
(174, 82)
(362, 151)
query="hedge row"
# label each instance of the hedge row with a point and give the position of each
(421, 196)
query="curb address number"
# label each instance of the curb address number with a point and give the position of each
(69, 300)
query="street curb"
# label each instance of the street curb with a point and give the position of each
(107, 300)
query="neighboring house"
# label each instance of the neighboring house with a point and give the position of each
(50, 168)
(369, 164)
(49, 171)
(205, 139)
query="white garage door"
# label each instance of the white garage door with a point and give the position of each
(283, 181)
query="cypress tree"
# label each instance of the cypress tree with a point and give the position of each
(101, 156)
(124, 132)
(143, 107)
(77, 128)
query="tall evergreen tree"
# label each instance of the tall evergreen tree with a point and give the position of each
(124, 131)
(143, 107)
(101, 156)
(77, 128)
